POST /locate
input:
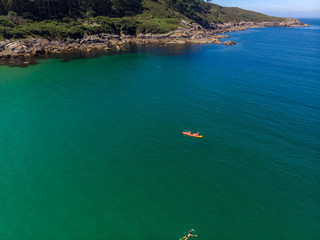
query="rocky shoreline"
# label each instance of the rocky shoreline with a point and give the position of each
(231, 27)
(186, 34)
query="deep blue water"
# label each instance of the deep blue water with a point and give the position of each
(92, 148)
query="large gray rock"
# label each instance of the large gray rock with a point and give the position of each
(113, 37)
(3, 45)
(11, 46)
(22, 49)
(92, 39)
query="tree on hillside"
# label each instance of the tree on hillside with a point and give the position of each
(126, 7)
(190, 8)
(52, 9)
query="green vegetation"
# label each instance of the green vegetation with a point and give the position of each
(60, 19)
(57, 9)
(233, 14)
(78, 28)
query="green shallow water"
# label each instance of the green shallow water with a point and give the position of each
(92, 148)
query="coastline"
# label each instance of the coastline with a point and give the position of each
(186, 34)
(91, 147)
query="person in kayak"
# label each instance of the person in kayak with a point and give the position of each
(190, 132)
(189, 235)
(198, 134)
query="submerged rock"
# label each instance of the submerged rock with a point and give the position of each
(229, 43)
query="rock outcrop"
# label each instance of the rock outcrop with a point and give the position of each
(36, 47)
(240, 26)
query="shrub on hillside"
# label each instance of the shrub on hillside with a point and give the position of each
(158, 26)
(8, 33)
(127, 25)
(47, 29)
(5, 22)
(75, 32)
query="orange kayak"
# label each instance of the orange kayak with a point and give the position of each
(192, 134)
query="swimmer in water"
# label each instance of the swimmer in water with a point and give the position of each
(188, 235)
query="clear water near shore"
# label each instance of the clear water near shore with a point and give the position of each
(92, 148)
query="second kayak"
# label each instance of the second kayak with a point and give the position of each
(196, 135)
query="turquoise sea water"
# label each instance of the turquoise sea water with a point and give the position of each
(92, 148)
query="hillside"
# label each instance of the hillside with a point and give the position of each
(208, 13)
(60, 19)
